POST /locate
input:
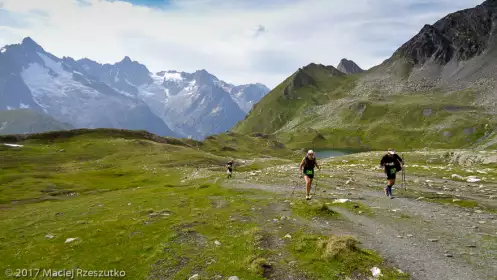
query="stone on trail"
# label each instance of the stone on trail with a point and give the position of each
(288, 236)
(448, 255)
(482, 222)
(341, 200)
(473, 179)
(433, 240)
(457, 176)
(233, 278)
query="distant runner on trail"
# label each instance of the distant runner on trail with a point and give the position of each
(229, 167)
(307, 167)
(392, 164)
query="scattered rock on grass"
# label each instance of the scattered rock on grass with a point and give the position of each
(194, 277)
(217, 243)
(376, 272)
(433, 240)
(292, 263)
(49, 236)
(288, 236)
(69, 240)
(233, 278)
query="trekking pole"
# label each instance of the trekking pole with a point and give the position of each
(295, 184)
(404, 173)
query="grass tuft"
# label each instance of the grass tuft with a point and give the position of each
(337, 245)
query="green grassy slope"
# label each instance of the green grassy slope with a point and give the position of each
(139, 205)
(310, 86)
(27, 121)
(324, 114)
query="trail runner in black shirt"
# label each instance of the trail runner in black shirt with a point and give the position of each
(307, 167)
(392, 164)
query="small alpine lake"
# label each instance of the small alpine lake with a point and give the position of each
(329, 153)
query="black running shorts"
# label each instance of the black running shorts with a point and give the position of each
(391, 172)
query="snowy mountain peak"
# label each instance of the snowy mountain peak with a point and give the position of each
(125, 94)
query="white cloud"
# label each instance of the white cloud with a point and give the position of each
(239, 41)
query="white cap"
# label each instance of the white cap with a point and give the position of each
(391, 151)
(310, 152)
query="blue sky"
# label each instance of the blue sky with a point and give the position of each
(240, 41)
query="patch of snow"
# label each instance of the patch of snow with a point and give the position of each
(86, 67)
(173, 76)
(124, 93)
(52, 64)
(116, 78)
(191, 86)
(13, 145)
(2, 50)
(130, 83)
(78, 73)
(46, 88)
(24, 106)
(215, 110)
(157, 79)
